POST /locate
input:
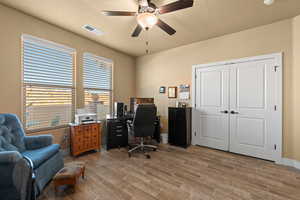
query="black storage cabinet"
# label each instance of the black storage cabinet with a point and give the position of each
(180, 126)
(117, 134)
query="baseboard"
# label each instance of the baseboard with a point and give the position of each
(290, 163)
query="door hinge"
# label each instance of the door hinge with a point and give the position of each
(275, 107)
(195, 133)
(275, 146)
(275, 68)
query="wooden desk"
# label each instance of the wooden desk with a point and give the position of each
(85, 137)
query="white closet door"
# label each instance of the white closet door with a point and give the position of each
(212, 100)
(251, 105)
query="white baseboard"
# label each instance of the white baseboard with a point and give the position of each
(290, 163)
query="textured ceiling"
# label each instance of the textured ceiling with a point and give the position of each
(207, 19)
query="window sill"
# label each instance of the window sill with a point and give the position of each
(28, 132)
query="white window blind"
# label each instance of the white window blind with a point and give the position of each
(47, 83)
(97, 84)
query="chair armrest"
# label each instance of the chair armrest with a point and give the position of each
(129, 123)
(9, 157)
(38, 141)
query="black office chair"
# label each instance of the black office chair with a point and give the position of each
(142, 127)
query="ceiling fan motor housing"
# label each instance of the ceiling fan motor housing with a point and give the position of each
(148, 9)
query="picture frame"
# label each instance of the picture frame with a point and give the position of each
(184, 91)
(172, 92)
(162, 90)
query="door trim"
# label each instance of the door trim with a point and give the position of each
(277, 57)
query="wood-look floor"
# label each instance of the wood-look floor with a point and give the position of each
(178, 174)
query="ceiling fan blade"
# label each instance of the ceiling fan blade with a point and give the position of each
(143, 3)
(166, 27)
(137, 31)
(118, 13)
(177, 5)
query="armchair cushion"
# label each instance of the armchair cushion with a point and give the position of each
(5, 145)
(39, 156)
(37, 142)
(11, 132)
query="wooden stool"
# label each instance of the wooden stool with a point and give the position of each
(69, 174)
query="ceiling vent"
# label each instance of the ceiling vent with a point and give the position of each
(92, 29)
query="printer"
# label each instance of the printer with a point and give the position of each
(85, 118)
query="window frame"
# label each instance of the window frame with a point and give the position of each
(53, 45)
(111, 91)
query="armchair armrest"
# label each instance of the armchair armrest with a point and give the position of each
(9, 157)
(38, 141)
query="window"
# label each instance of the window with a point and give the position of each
(48, 87)
(97, 84)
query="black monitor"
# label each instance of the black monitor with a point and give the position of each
(119, 109)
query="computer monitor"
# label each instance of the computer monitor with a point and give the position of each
(136, 101)
(119, 109)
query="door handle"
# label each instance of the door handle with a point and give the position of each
(233, 112)
(224, 111)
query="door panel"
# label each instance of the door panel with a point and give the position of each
(211, 88)
(251, 100)
(251, 131)
(210, 126)
(212, 97)
(251, 86)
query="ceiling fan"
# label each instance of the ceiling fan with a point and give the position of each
(148, 15)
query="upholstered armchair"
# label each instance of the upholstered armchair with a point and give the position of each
(44, 156)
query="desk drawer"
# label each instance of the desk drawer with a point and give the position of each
(118, 126)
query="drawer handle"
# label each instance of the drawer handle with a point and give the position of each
(118, 131)
(119, 135)
(119, 126)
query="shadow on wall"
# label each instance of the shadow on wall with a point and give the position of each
(163, 102)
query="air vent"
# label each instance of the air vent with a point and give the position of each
(92, 29)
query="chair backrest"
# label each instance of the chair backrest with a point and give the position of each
(11, 133)
(144, 119)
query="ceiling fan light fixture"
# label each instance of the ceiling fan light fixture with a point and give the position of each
(268, 2)
(147, 20)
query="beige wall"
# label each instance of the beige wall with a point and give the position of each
(14, 24)
(174, 67)
(294, 111)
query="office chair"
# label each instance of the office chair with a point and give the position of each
(143, 126)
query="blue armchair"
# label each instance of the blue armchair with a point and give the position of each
(46, 158)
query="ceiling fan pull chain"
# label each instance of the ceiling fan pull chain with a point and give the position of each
(147, 41)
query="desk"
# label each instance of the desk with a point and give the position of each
(117, 133)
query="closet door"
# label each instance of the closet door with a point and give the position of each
(252, 97)
(212, 107)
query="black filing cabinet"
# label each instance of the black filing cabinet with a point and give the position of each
(117, 133)
(180, 126)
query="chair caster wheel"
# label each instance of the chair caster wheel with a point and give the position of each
(154, 149)
(148, 156)
(129, 155)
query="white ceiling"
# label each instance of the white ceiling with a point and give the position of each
(207, 19)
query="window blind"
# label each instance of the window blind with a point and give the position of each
(97, 72)
(97, 84)
(47, 83)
